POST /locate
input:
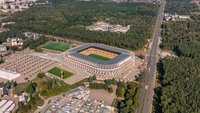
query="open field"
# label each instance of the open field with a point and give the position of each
(58, 46)
(99, 57)
(57, 71)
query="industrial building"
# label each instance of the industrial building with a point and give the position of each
(77, 101)
(120, 62)
(3, 48)
(6, 106)
(15, 41)
(103, 26)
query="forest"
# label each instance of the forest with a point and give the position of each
(179, 77)
(68, 18)
(130, 92)
(179, 1)
(181, 8)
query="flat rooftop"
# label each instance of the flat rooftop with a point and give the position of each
(6, 106)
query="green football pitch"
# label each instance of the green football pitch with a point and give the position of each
(58, 46)
(99, 57)
(57, 71)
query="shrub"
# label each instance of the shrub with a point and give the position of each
(40, 75)
(91, 78)
(38, 50)
(110, 90)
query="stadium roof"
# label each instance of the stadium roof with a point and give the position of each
(122, 54)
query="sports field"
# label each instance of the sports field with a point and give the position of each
(58, 46)
(99, 57)
(57, 71)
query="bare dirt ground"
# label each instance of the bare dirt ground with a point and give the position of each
(3, 80)
(103, 96)
(144, 49)
(137, 68)
(73, 79)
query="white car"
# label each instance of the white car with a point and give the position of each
(146, 87)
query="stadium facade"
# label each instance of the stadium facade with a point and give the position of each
(120, 61)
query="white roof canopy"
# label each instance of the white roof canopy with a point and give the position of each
(9, 75)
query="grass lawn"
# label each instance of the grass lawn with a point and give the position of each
(99, 57)
(20, 87)
(57, 71)
(114, 103)
(58, 46)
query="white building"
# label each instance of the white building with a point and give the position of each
(9, 75)
(168, 17)
(15, 41)
(3, 48)
(7, 23)
(103, 26)
(17, 1)
(7, 106)
(184, 16)
(4, 1)
(24, 98)
(35, 36)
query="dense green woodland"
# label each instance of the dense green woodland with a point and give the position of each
(181, 8)
(130, 92)
(179, 77)
(180, 91)
(68, 19)
(183, 37)
(179, 1)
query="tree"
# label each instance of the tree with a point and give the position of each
(120, 91)
(179, 76)
(69, 23)
(110, 90)
(13, 84)
(38, 50)
(49, 85)
(91, 78)
(110, 81)
(8, 85)
(141, 56)
(98, 86)
(131, 94)
(40, 75)
(31, 87)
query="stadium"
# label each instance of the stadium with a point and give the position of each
(105, 62)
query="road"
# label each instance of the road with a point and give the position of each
(146, 96)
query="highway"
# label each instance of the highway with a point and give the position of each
(147, 92)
